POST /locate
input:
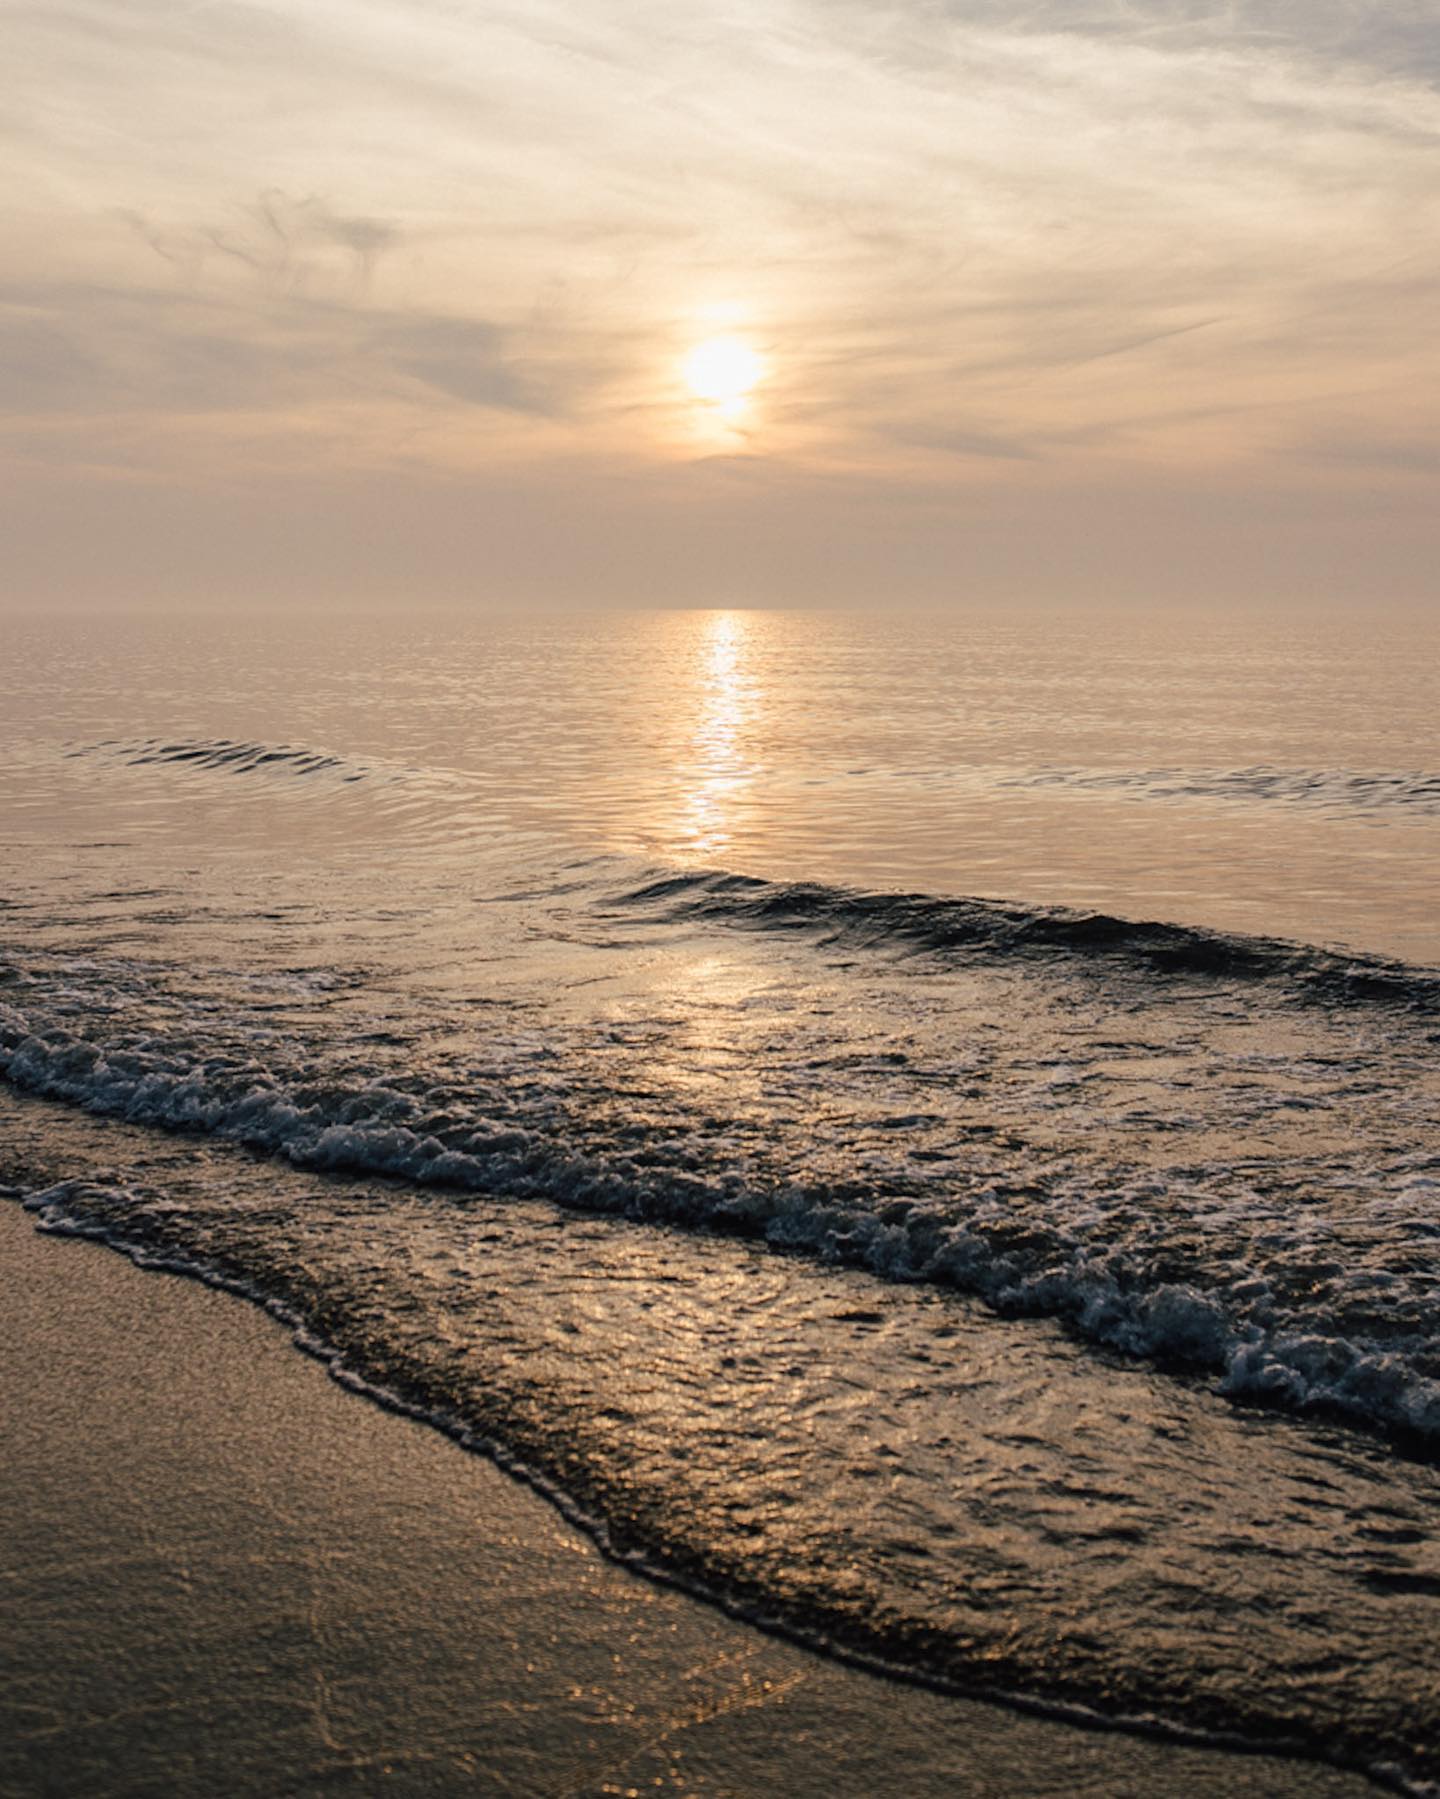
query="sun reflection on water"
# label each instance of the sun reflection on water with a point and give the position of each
(719, 771)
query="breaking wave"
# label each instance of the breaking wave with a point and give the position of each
(1186, 1261)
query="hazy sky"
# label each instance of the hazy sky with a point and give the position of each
(391, 299)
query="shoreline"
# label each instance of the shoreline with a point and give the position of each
(224, 1571)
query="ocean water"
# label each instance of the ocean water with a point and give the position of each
(922, 1129)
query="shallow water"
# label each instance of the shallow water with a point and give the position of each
(581, 1027)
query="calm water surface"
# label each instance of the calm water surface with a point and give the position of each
(925, 1127)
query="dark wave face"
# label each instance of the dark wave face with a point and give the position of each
(990, 929)
(1039, 1298)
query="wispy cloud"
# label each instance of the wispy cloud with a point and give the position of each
(294, 244)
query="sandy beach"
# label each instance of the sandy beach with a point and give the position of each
(223, 1573)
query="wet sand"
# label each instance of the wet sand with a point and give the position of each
(224, 1574)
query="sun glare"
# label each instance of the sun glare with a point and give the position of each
(723, 370)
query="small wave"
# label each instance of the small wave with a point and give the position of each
(1410, 791)
(1001, 930)
(228, 755)
(364, 801)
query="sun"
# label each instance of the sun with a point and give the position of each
(723, 370)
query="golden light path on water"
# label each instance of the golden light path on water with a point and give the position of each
(726, 699)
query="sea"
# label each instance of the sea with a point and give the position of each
(922, 1128)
